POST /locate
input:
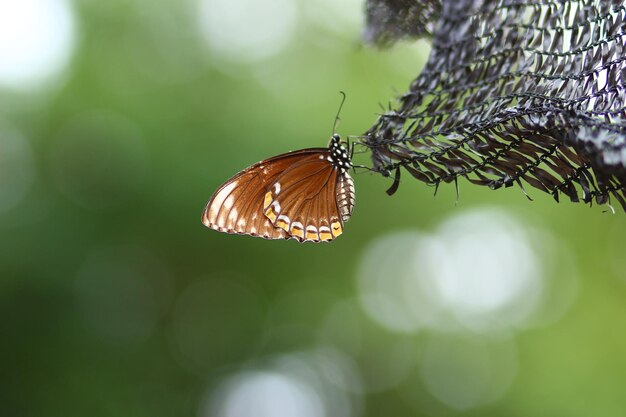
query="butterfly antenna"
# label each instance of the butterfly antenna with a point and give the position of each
(343, 99)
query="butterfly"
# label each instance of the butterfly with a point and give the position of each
(306, 195)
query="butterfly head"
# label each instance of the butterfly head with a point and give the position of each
(339, 154)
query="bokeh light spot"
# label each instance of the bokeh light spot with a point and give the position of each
(311, 383)
(338, 16)
(36, 41)
(247, 30)
(492, 278)
(478, 272)
(332, 374)
(385, 360)
(390, 285)
(269, 394)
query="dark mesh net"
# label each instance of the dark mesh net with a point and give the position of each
(514, 92)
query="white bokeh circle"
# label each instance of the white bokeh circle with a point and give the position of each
(478, 271)
(247, 30)
(37, 38)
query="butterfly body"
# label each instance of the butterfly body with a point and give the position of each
(306, 195)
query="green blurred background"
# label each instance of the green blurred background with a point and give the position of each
(118, 120)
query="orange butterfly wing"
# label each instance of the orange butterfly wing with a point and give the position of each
(237, 205)
(311, 200)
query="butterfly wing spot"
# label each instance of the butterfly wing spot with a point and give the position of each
(268, 200)
(336, 229)
(271, 208)
(276, 188)
(269, 213)
(241, 223)
(283, 222)
(228, 203)
(231, 220)
(311, 233)
(325, 233)
(297, 230)
(272, 211)
(210, 217)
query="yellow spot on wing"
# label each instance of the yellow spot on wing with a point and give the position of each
(325, 235)
(336, 229)
(270, 215)
(296, 230)
(312, 235)
(268, 200)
